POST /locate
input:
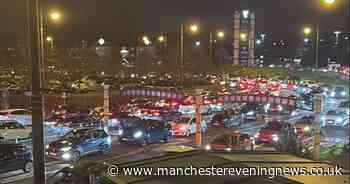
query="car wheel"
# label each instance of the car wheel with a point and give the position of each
(104, 149)
(75, 156)
(28, 167)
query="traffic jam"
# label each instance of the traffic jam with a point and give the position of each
(142, 119)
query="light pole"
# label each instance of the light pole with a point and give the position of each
(193, 28)
(35, 34)
(219, 35)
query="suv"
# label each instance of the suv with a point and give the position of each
(79, 142)
(15, 157)
(146, 131)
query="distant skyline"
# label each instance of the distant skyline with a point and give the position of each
(121, 21)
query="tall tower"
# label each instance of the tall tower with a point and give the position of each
(244, 37)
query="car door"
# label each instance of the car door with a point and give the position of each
(18, 130)
(87, 142)
(8, 161)
(156, 131)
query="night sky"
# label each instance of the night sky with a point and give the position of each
(120, 21)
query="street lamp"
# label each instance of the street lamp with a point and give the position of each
(307, 31)
(101, 41)
(49, 39)
(194, 29)
(243, 36)
(161, 39)
(197, 43)
(221, 34)
(55, 16)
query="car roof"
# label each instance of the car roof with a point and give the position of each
(11, 110)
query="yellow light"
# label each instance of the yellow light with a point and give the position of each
(49, 39)
(221, 34)
(243, 36)
(194, 28)
(55, 16)
(329, 1)
(307, 31)
(144, 38)
(161, 38)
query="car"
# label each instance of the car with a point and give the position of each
(343, 106)
(271, 133)
(23, 116)
(338, 92)
(219, 119)
(15, 157)
(304, 125)
(251, 111)
(186, 126)
(231, 141)
(273, 108)
(143, 132)
(79, 142)
(78, 121)
(335, 118)
(13, 130)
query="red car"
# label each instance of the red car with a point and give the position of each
(271, 132)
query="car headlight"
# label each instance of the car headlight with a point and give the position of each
(137, 134)
(207, 147)
(65, 149)
(250, 113)
(183, 128)
(323, 118)
(280, 108)
(228, 149)
(306, 129)
(343, 93)
(47, 146)
(275, 137)
(120, 132)
(256, 135)
(66, 156)
(333, 94)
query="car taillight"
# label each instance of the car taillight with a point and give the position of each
(156, 113)
(174, 104)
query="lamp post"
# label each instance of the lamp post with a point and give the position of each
(193, 28)
(35, 34)
(219, 35)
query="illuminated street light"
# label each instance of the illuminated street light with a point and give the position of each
(194, 28)
(307, 30)
(197, 43)
(243, 36)
(329, 1)
(221, 34)
(306, 40)
(55, 16)
(161, 38)
(101, 41)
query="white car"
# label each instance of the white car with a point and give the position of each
(335, 118)
(186, 126)
(12, 129)
(23, 116)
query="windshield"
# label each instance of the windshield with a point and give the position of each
(74, 134)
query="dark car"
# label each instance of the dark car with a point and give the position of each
(15, 157)
(78, 121)
(143, 132)
(338, 92)
(251, 111)
(304, 125)
(78, 143)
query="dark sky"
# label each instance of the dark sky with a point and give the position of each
(120, 20)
